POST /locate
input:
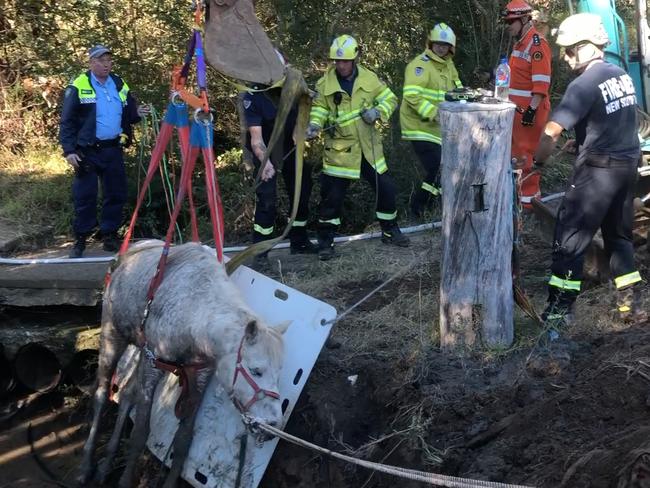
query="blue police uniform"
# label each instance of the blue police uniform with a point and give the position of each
(260, 109)
(93, 117)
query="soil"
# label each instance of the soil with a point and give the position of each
(570, 413)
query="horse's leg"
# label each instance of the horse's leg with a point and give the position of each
(127, 400)
(184, 434)
(112, 345)
(148, 378)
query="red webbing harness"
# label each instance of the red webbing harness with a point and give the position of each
(258, 393)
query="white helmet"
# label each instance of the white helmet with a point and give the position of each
(583, 27)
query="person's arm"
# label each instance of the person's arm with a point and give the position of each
(385, 102)
(259, 149)
(415, 84)
(552, 132)
(540, 59)
(68, 125)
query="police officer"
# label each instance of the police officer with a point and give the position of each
(98, 109)
(600, 104)
(530, 81)
(260, 110)
(350, 99)
(426, 80)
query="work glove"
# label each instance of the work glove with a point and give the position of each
(370, 115)
(312, 132)
(528, 118)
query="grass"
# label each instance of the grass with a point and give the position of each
(35, 188)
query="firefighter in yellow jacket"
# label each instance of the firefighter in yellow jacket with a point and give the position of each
(426, 80)
(349, 100)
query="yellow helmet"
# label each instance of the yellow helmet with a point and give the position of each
(443, 33)
(344, 47)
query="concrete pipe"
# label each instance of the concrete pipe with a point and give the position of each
(37, 368)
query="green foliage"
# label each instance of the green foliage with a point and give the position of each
(44, 43)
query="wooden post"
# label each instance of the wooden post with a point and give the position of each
(476, 298)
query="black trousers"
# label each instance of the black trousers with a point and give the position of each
(597, 197)
(429, 154)
(333, 190)
(266, 200)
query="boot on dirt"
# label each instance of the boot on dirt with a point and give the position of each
(326, 244)
(558, 313)
(391, 234)
(629, 305)
(79, 247)
(111, 242)
(300, 243)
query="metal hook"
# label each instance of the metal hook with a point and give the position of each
(206, 119)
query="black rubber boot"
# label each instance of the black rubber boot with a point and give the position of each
(300, 243)
(326, 243)
(558, 313)
(111, 242)
(391, 234)
(79, 247)
(629, 305)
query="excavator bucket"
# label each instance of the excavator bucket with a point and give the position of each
(237, 46)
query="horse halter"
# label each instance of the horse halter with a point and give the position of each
(258, 393)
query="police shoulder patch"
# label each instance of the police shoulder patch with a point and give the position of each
(538, 56)
(418, 71)
(247, 104)
(69, 91)
(536, 40)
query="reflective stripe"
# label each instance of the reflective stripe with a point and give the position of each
(624, 308)
(544, 78)
(265, 231)
(521, 55)
(380, 165)
(432, 95)
(520, 93)
(335, 221)
(347, 118)
(299, 223)
(425, 108)
(387, 216)
(341, 172)
(418, 135)
(565, 284)
(434, 190)
(458, 83)
(627, 280)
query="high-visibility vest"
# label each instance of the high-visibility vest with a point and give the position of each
(347, 136)
(426, 80)
(87, 94)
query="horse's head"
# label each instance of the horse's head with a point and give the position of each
(253, 374)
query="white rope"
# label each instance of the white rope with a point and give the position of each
(411, 474)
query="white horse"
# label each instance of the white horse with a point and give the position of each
(197, 318)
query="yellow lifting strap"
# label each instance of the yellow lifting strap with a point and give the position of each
(294, 90)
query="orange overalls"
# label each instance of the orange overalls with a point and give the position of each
(530, 73)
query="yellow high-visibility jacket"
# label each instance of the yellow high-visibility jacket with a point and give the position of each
(347, 136)
(426, 80)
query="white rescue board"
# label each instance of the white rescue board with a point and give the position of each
(214, 458)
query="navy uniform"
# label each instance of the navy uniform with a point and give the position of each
(601, 105)
(93, 119)
(260, 109)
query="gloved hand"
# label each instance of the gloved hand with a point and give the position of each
(528, 118)
(370, 115)
(312, 132)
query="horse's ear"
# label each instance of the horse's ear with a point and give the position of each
(283, 326)
(251, 331)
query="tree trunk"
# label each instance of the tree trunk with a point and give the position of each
(476, 296)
